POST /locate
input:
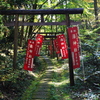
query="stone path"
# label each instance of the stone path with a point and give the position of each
(42, 92)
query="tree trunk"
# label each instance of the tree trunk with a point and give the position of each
(21, 33)
(96, 10)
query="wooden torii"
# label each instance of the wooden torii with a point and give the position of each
(41, 12)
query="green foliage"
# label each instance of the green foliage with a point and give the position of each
(19, 82)
(81, 90)
(4, 5)
(28, 94)
(14, 83)
(2, 27)
(91, 59)
(54, 95)
(1, 59)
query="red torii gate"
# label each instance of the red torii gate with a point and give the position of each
(41, 12)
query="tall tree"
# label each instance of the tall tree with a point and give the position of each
(96, 10)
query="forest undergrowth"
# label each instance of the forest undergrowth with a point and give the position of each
(82, 90)
(16, 83)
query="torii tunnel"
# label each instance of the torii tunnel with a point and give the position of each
(41, 12)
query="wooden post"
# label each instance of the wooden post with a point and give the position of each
(53, 49)
(22, 32)
(42, 18)
(15, 42)
(96, 10)
(70, 55)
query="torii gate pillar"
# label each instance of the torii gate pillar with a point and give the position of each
(69, 54)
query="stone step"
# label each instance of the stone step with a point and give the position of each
(49, 71)
(41, 93)
(39, 99)
(47, 79)
(38, 96)
(44, 88)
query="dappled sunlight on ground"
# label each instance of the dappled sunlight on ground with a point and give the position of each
(57, 84)
(62, 68)
(33, 74)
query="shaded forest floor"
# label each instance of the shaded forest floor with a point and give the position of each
(22, 84)
(83, 90)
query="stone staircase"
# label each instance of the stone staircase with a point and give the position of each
(42, 93)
